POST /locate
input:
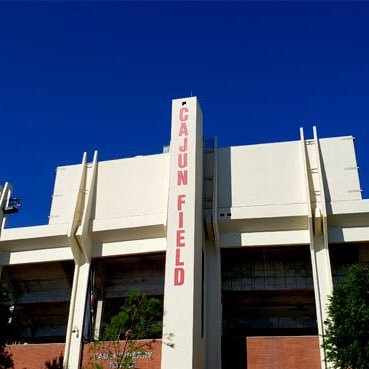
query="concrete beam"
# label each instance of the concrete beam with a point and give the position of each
(318, 230)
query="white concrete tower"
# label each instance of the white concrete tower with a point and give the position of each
(183, 269)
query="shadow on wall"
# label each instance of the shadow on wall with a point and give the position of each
(37, 356)
(224, 178)
(54, 363)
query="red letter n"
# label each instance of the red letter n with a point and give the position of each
(182, 177)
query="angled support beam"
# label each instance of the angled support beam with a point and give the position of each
(321, 253)
(318, 232)
(82, 232)
(6, 193)
(78, 201)
(81, 247)
(77, 261)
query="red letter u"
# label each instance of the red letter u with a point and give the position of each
(182, 160)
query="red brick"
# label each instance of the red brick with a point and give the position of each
(34, 356)
(283, 352)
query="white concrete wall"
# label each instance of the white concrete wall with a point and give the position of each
(132, 187)
(272, 174)
(256, 182)
(248, 176)
(340, 167)
(66, 185)
(125, 188)
(266, 174)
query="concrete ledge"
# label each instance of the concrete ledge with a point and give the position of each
(274, 238)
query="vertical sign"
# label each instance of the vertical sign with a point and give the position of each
(183, 269)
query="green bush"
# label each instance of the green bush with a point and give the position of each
(346, 342)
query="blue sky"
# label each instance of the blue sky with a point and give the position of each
(77, 77)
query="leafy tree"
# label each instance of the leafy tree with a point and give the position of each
(140, 317)
(347, 337)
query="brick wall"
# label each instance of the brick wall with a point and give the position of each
(35, 356)
(149, 357)
(262, 353)
(283, 352)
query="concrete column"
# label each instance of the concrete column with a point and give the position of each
(81, 245)
(318, 229)
(98, 319)
(183, 269)
(80, 289)
(212, 306)
(323, 286)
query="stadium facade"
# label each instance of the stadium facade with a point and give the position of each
(242, 244)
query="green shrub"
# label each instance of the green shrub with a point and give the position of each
(347, 329)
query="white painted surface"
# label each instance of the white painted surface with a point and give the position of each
(43, 255)
(144, 246)
(256, 175)
(66, 185)
(129, 221)
(272, 238)
(132, 187)
(340, 169)
(318, 230)
(80, 284)
(182, 297)
(348, 234)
